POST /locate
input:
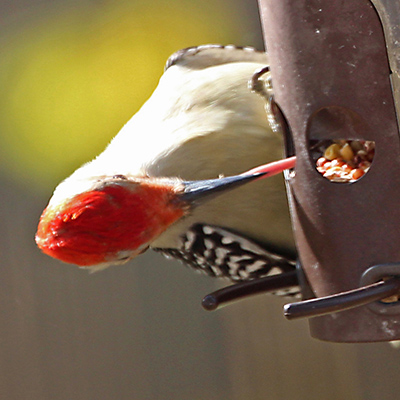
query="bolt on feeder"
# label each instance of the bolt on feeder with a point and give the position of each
(336, 79)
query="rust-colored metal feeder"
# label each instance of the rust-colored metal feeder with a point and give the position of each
(335, 76)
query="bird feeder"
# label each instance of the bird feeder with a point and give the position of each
(335, 75)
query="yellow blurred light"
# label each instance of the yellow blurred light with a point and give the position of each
(71, 80)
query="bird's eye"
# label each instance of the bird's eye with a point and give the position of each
(120, 177)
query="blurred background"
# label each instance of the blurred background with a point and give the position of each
(71, 74)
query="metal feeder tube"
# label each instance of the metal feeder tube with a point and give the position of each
(331, 80)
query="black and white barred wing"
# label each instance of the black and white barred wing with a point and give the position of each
(221, 253)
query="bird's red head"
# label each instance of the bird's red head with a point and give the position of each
(109, 224)
(118, 218)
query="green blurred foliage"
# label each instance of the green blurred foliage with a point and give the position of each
(72, 75)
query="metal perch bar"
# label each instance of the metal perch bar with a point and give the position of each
(244, 289)
(343, 301)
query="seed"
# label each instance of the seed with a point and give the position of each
(346, 152)
(332, 152)
(337, 162)
(370, 155)
(362, 154)
(364, 165)
(356, 145)
(357, 173)
(346, 168)
(369, 146)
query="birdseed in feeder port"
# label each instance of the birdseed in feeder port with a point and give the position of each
(344, 160)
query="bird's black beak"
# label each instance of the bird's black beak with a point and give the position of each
(197, 191)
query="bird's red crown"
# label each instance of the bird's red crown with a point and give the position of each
(107, 225)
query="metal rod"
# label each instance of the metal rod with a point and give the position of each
(244, 289)
(343, 301)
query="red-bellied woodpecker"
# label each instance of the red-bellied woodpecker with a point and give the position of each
(201, 122)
